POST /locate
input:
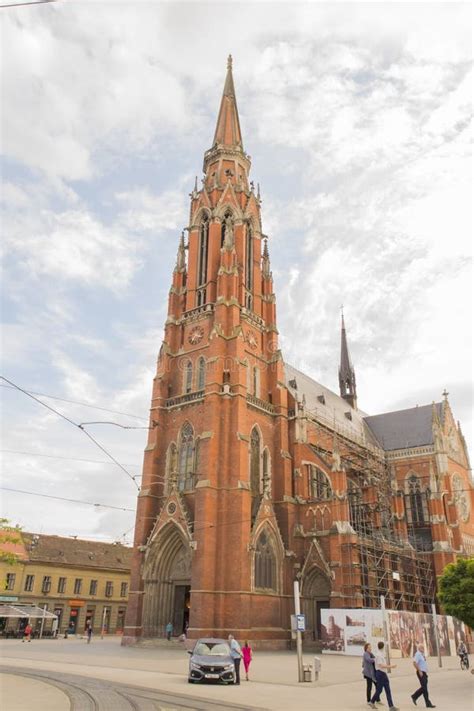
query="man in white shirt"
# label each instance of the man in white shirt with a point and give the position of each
(421, 666)
(236, 654)
(383, 682)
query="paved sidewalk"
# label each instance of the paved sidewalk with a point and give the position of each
(273, 682)
(18, 693)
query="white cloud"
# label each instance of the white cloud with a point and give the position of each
(74, 245)
(153, 213)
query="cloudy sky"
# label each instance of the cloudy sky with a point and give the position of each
(357, 118)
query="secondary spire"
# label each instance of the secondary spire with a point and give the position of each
(347, 381)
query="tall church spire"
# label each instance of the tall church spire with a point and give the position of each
(228, 125)
(347, 381)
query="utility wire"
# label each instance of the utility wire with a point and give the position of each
(33, 2)
(79, 402)
(57, 456)
(63, 498)
(75, 424)
(117, 424)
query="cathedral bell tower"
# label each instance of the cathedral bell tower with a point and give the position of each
(216, 457)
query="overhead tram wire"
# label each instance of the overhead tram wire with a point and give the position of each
(79, 402)
(31, 2)
(58, 456)
(63, 498)
(75, 424)
(117, 424)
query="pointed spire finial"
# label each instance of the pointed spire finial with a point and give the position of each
(181, 256)
(265, 258)
(347, 381)
(445, 394)
(228, 126)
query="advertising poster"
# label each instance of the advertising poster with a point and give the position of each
(332, 630)
(345, 631)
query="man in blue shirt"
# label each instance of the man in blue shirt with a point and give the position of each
(236, 654)
(419, 662)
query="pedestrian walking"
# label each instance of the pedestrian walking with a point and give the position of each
(89, 632)
(247, 657)
(169, 631)
(368, 669)
(421, 666)
(236, 654)
(463, 654)
(381, 668)
(27, 633)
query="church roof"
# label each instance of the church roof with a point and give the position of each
(329, 408)
(401, 429)
(404, 428)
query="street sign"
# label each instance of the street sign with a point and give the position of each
(300, 623)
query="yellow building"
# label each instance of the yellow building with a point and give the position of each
(78, 580)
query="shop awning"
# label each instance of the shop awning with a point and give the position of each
(25, 611)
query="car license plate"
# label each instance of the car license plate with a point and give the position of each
(212, 676)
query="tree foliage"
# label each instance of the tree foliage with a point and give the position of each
(9, 534)
(456, 590)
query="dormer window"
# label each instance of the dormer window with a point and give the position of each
(321, 399)
(348, 415)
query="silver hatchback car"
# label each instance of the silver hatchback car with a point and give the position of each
(211, 661)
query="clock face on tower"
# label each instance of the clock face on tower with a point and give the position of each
(251, 340)
(195, 335)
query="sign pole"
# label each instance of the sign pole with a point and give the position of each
(103, 623)
(299, 642)
(42, 621)
(385, 629)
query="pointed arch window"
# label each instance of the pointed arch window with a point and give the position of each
(319, 484)
(356, 507)
(256, 381)
(202, 260)
(188, 377)
(255, 453)
(265, 570)
(186, 458)
(248, 266)
(416, 503)
(171, 466)
(201, 373)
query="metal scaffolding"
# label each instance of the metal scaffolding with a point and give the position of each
(379, 562)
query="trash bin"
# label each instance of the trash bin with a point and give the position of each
(307, 672)
(317, 668)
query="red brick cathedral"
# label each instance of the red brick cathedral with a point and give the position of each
(255, 474)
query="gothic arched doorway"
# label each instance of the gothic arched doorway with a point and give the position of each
(316, 593)
(167, 583)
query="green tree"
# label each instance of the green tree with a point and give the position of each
(456, 590)
(9, 534)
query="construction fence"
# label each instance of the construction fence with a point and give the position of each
(346, 631)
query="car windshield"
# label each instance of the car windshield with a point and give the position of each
(217, 649)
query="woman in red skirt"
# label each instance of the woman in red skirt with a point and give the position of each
(247, 657)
